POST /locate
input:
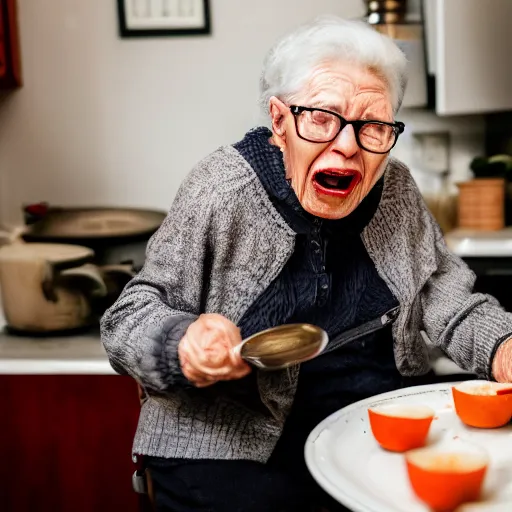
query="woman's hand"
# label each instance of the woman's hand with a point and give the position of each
(502, 364)
(206, 351)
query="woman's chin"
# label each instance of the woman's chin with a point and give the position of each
(330, 208)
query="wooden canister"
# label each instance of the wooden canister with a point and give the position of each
(482, 204)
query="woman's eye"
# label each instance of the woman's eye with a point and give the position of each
(376, 131)
(321, 118)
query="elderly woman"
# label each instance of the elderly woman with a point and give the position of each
(310, 221)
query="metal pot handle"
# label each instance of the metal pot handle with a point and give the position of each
(91, 273)
(11, 235)
(123, 269)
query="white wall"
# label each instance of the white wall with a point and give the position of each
(102, 120)
(466, 140)
(105, 121)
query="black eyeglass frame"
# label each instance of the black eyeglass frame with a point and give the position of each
(398, 127)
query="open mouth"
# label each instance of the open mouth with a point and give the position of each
(336, 182)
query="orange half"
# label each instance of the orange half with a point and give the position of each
(398, 427)
(479, 405)
(445, 480)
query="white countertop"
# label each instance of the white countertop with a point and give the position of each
(80, 354)
(480, 244)
(70, 355)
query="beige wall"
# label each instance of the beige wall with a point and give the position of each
(105, 121)
(102, 120)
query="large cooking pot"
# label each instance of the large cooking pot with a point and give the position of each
(116, 235)
(114, 241)
(47, 288)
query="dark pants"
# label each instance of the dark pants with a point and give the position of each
(232, 486)
(283, 484)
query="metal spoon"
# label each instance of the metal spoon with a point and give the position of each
(283, 346)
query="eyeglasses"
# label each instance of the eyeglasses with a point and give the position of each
(319, 125)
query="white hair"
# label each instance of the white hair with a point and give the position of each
(292, 60)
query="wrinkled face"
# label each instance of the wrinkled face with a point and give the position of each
(331, 179)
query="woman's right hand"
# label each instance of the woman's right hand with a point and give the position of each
(206, 351)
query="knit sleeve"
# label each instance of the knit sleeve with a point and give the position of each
(141, 331)
(469, 327)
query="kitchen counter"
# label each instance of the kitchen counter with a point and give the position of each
(77, 354)
(468, 243)
(80, 354)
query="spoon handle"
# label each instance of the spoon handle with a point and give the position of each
(237, 349)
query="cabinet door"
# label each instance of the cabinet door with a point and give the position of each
(473, 56)
(66, 442)
(10, 71)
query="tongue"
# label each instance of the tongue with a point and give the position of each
(332, 181)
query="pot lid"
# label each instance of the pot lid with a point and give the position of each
(52, 253)
(94, 223)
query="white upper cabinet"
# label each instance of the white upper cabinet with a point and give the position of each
(469, 50)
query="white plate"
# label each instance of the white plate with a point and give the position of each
(346, 461)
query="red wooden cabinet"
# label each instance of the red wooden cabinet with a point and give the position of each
(65, 443)
(10, 66)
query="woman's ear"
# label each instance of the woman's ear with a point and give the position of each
(277, 115)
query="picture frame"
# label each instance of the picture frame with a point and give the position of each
(163, 18)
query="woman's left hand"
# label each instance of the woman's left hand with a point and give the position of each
(502, 364)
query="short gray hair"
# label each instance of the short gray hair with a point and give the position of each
(291, 61)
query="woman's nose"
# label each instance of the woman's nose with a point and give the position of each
(346, 143)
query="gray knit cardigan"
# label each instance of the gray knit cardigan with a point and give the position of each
(220, 246)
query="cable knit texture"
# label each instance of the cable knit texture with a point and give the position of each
(221, 245)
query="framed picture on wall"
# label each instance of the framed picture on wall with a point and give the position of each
(150, 18)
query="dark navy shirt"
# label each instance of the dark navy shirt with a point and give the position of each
(329, 281)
